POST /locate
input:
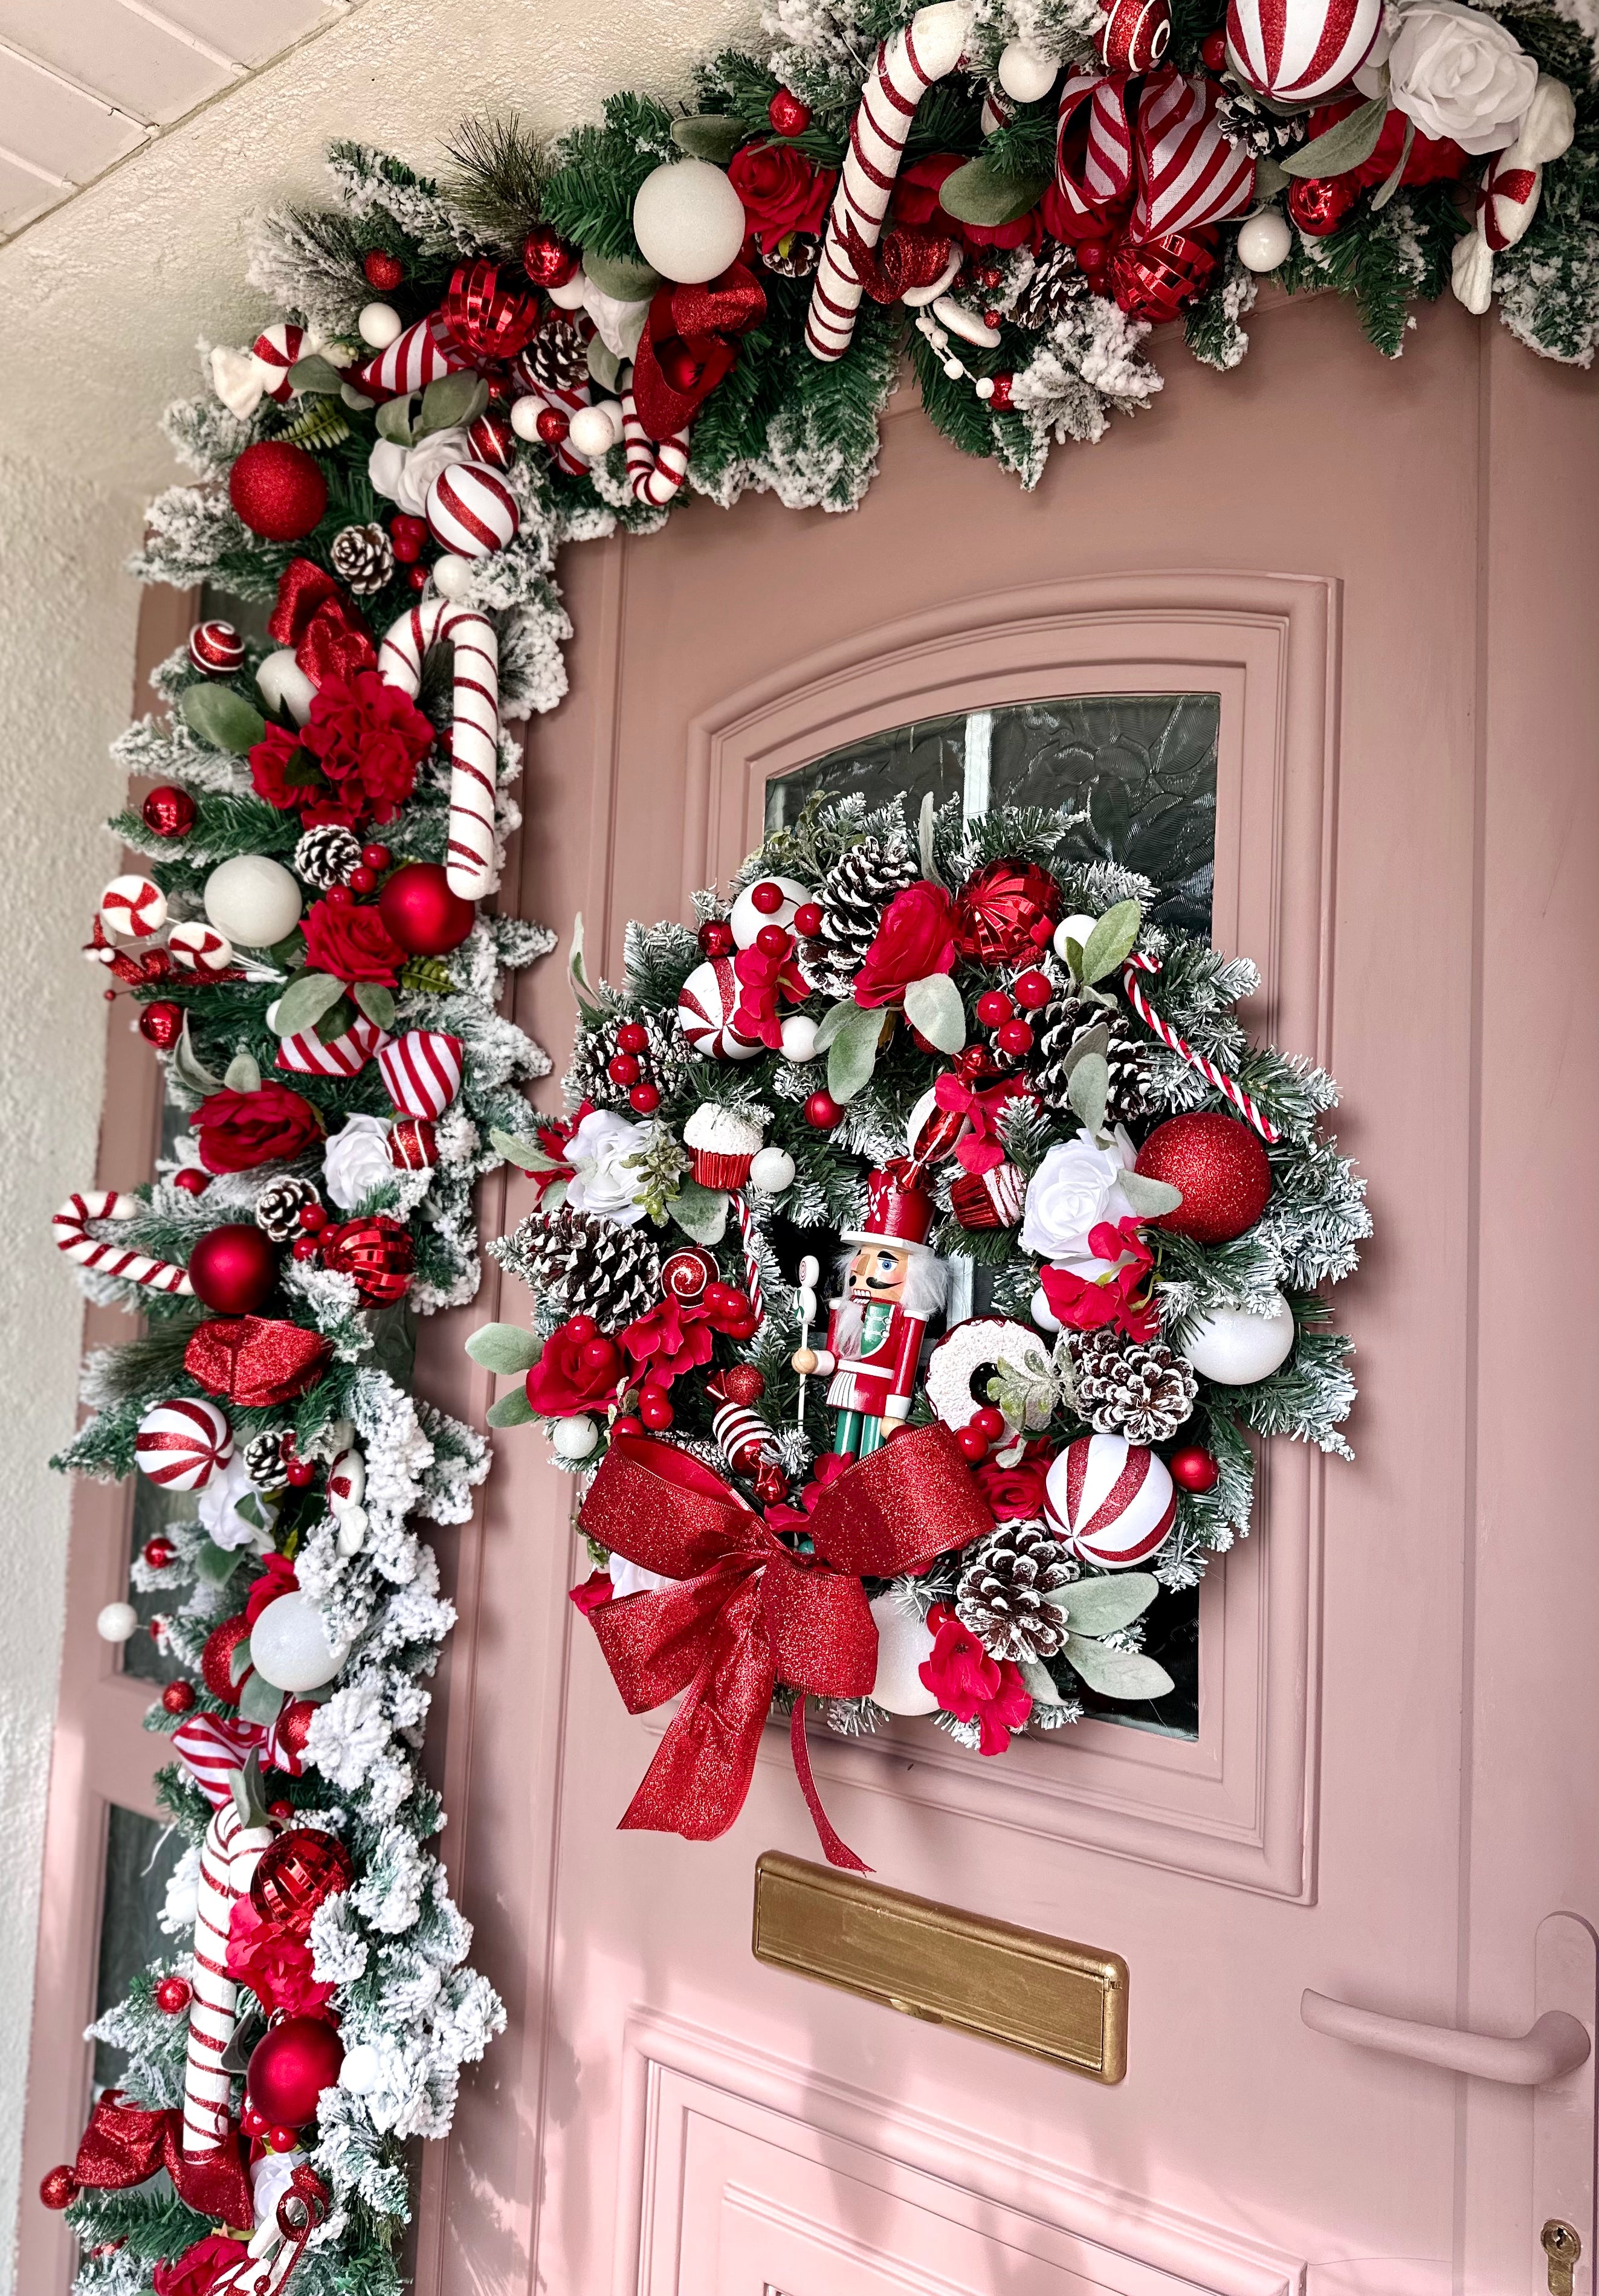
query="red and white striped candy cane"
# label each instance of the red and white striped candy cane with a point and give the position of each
(214, 1749)
(748, 1233)
(654, 471)
(227, 1861)
(474, 726)
(907, 64)
(70, 1228)
(1234, 1091)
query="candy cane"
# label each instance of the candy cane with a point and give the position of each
(921, 52)
(565, 399)
(227, 1861)
(474, 726)
(654, 471)
(748, 1232)
(1184, 1051)
(71, 1227)
(266, 2267)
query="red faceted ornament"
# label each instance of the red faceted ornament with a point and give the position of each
(161, 1025)
(378, 1252)
(169, 811)
(178, 1698)
(59, 2188)
(1221, 1168)
(999, 906)
(421, 913)
(290, 2066)
(385, 271)
(789, 114)
(1318, 204)
(158, 1552)
(191, 1179)
(297, 1871)
(278, 490)
(1158, 279)
(216, 1659)
(547, 258)
(234, 1268)
(1192, 1469)
(173, 1995)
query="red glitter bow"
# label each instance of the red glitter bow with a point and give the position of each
(903, 258)
(487, 322)
(255, 1360)
(126, 2144)
(689, 343)
(314, 617)
(749, 1612)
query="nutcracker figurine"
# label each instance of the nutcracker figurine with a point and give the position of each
(891, 1285)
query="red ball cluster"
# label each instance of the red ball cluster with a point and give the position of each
(627, 1067)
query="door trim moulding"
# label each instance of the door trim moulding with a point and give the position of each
(1238, 1805)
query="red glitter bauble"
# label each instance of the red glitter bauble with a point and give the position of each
(278, 490)
(385, 271)
(789, 114)
(290, 2066)
(178, 1698)
(173, 1995)
(161, 1025)
(547, 258)
(293, 1726)
(169, 811)
(823, 1111)
(1158, 279)
(1318, 204)
(59, 2188)
(297, 1872)
(553, 425)
(745, 1383)
(232, 1269)
(998, 908)
(421, 913)
(492, 440)
(1192, 1469)
(216, 1659)
(1221, 1167)
(191, 1179)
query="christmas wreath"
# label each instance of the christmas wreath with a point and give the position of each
(927, 1052)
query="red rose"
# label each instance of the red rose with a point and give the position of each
(1433, 159)
(917, 201)
(915, 938)
(560, 1384)
(782, 191)
(238, 1130)
(194, 2272)
(278, 1576)
(368, 738)
(283, 774)
(1014, 1494)
(973, 1686)
(352, 943)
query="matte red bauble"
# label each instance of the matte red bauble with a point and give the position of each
(1221, 1167)
(290, 2066)
(59, 2188)
(232, 1269)
(1318, 204)
(1158, 279)
(1192, 1469)
(278, 490)
(421, 913)
(297, 1871)
(216, 1659)
(169, 811)
(161, 1025)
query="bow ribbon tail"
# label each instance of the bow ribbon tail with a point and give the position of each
(1094, 155)
(834, 1848)
(690, 342)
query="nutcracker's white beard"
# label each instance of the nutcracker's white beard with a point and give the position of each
(926, 1286)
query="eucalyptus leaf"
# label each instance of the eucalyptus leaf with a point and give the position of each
(1112, 939)
(249, 1800)
(832, 1021)
(616, 275)
(215, 1565)
(925, 821)
(376, 1001)
(604, 365)
(240, 1661)
(1103, 1606)
(589, 1000)
(933, 1007)
(243, 1074)
(393, 420)
(189, 1069)
(504, 1348)
(1269, 179)
(355, 400)
(317, 377)
(1346, 144)
(1040, 1682)
(1087, 1088)
(527, 1155)
(450, 403)
(852, 1055)
(1395, 174)
(982, 193)
(305, 1001)
(709, 137)
(261, 1700)
(1150, 1198)
(1116, 1673)
(222, 717)
(513, 1409)
(1072, 951)
(702, 1213)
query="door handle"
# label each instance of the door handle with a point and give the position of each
(1556, 2045)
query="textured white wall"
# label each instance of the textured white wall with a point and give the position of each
(66, 678)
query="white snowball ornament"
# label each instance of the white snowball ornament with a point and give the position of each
(772, 1169)
(379, 324)
(1077, 929)
(1041, 1312)
(282, 684)
(688, 220)
(575, 1438)
(595, 431)
(1236, 1350)
(524, 415)
(1024, 73)
(253, 901)
(361, 2070)
(289, 1646)
(705, 1005)
(1264, 240)
(1110, 1502)
(903, 1643)
(452, 577)
(747, 919)
(133, 908)
(799, 1037)
(117, 1622)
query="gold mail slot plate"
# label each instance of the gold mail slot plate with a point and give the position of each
(1063, 2002)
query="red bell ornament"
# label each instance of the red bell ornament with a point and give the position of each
(421, 913)
(298, 1872)
(1158, 279)
(290, 2066)
(234, 1268)
(278, 490)
(1221, 1168)
(1318, 204)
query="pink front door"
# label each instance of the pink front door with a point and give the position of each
(1388, 577)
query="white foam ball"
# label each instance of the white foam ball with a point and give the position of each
(379, 324)
(772, 1169)
(904, 1642)
(568, 296)
(746, 920)
(799, 1037)
(116, 1623)
(282, 684)
(253, 900)
(289, 1646)
(1024, 73)
(574, 1438)
(1264, 240)
(1077, 929)
(1236, 1350)
(361, 2070)
(525, 412)
(452, 577)
(688, 220)
(592, 434)
(1041, 1312)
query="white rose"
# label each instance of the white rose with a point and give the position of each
(217, 1507)
(603, 1184)
(1072, 1191)
(1457, 73)
(404, 473)
(355, 1160)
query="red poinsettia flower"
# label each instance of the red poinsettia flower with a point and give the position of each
(1116, 1296)
(915, 938)
(973, 1686)
(274, 1958)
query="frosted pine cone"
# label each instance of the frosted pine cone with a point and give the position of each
(266, 1461)
(363, 558)
(663, 1064)
(1244, 119)
(854, 894)
(1143, 1392)
(328, 855)
(279, 1205)
(557, 357)
(1065, 1018)
(795, 257)
(585, 1266)
(1001, 1591)
(1055, 285)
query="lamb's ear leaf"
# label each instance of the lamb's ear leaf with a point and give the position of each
(513, 1409)
(1150, 1198)
(1100, 1606)
(243, 1074)
(709, 136)
(1112, 939)
(852, 1055)
(1116, 1673)
(305, 1001)
(503, 1348)
(1347, 144)
(702, 1213)
(1087, 1088)
(222, 717)
(933, 1007)
(261, 1700)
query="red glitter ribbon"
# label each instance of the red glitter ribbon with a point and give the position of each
(903, 258)
(748, 1612)
(255, 1360)
(313, 615)
(689, 343)
(126, 2144)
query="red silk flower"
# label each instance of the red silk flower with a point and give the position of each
(973, 1686)
(915, 938)
(762, 980)
(917, 201)
(1014, 1494)
(368, 739)
(238, 1130)
(1121, 1299)
(560, 1384)
(352, 943)
(781, 191)
(274, 1959)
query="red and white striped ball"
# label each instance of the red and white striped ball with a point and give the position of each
(1293, 50)
(492, 440)
(1132, 34)
(1110, 1502)
(181, 1445)
(422, 1070)
(197, 947)
(216, 648)
(471, 510)
(133, 908)
(278, 347)
(413, 1144)
(705, 1005)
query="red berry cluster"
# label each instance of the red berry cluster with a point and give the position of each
(982, 1431)
(626, 1067)
(1003, 1013)
(277, 2136)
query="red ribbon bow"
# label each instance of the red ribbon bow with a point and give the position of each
(255, 1360)
(314, 617)
(749, 1612)
(126, 2144)
(689, 343)
(903, 258)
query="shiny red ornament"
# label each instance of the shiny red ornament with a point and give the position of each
(191, 1179)
(299, 1474)
(158, 1552)
(1221, 1168)
(216, 648)
(486, 320)
(178, 1698)
(716, 937)
(998, 908)
(234, 1268)
(645, 1098)
(161, 1025)
(1032, 991)
(169, 811)
(1213, 51)
(290, 2066)
(278, 490)
(1192, 1469)
(421, 913)
(59, 2188)
(789, 114)
(362, 879)
(216, 1657)
(823, 1111)
(298, 1872)
(173, 1995)
(685, 1274)
(383, 271)
(417, 577)
(999, 398)
(378, 1252)
(1157, 279)
(376, 857)
(547, 258)
(1318, 204)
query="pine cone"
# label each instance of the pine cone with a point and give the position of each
(795, 257)
(363, 558)
(1144, 1392)
(854, 894)
(279, 1205)
(664, 1063)
(586, 1266)
(1063, 1019)
(1055, 285)
(1243, 119)
(1000, 1594)
(557, 357)
(265, 1461)
(326, 856)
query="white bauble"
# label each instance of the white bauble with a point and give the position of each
(1236, 1350)
(1077, 929)
(747, 919)
(1264, 240)
(282, 684)
(525, 412)
(452, 577)
(688, 220)
(254, 901)
(1024, 73)
(289, 1646)
(799, 1037)
(595, 430)
(575, 1438)
(568, 296)
(116, 1623)
(903, 1643)
(1041, 1312)
(379, 324)
(772, 1169)
(361, 2070)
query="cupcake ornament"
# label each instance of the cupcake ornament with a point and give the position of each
(724, 1144)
